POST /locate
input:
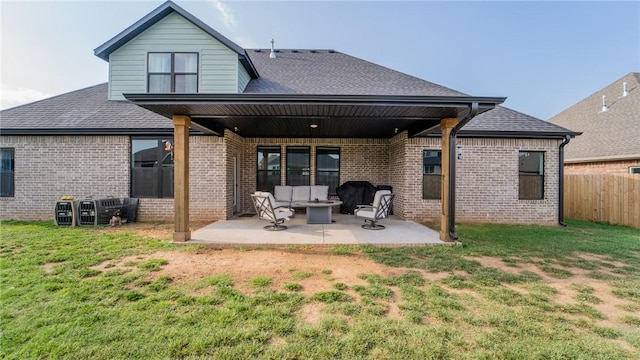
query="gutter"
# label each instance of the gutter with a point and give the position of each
(451, 216)
(561, 180)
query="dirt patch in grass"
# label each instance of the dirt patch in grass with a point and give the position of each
(48, 267)
(281, 266)
(601, 258)
(567, 294)
(311, 313)
(154, 230)
(318, 270)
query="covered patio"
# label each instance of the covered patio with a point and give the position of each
(306, 116)
(346, 230)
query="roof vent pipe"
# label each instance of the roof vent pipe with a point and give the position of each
(272, 55)
(604, 104)
(625, 92)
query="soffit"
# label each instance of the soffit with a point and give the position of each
(346, 116)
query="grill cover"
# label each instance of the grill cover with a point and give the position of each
(353, 193)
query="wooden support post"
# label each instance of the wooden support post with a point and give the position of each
(446, 125)
(181, 125)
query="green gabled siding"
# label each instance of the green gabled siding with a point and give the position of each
(243, 77)
(218, 65)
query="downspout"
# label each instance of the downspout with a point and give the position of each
(451, 216)
(567, 138)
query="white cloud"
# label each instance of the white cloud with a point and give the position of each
(10, 97)
(227, 17)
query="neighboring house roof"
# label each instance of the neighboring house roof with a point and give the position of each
(103, 51)
(332, 72)
(610, 135)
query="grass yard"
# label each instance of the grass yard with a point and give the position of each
(511, 292)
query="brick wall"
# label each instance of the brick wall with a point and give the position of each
(208, 183)
(601, 167)
(486, 182)
(398, 178)
(360, 159)
(48, 167)
(234, 149)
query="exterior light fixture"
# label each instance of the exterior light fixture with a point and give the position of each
(313, 126)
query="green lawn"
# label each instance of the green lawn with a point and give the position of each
(54, 303)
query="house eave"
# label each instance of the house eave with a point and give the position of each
(90, 131)
(510, 134)
(602, 159)
(290, 115)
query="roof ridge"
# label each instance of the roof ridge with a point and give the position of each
(599, 92)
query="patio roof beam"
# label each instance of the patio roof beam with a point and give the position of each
(311, 99)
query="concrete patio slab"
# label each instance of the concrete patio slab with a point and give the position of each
(345, 230)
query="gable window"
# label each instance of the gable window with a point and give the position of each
(328, 167)
(432, 174)
(268, 168)
(6, 172)
(152, 168)
(298, 165)
(172, 73)
(634, 170)
(531, 175)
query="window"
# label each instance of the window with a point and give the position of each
(172, 73)
(531, 174)
(268, 168)
(634, 170)
(432, 174)
(328, 167)
(6, 172)
(298, 165)
(152, 168)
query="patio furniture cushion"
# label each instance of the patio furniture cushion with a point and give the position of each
(270, 197)
(263, 203)
(377, 211)
(282, 194)
(300, 193)
(320, 192)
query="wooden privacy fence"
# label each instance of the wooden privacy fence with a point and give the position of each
(612, 198)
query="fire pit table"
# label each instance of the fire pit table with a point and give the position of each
(318, 212)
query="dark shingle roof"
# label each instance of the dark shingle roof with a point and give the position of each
(611, 134)
(82, 109)
(332, 72)
(507, 120)
(317, 72)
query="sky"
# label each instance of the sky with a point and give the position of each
(544, 56)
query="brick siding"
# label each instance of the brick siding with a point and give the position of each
(486, 182)
(48, 167)
(601, 167)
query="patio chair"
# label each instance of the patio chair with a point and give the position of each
(378, 210)
(264, 204)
